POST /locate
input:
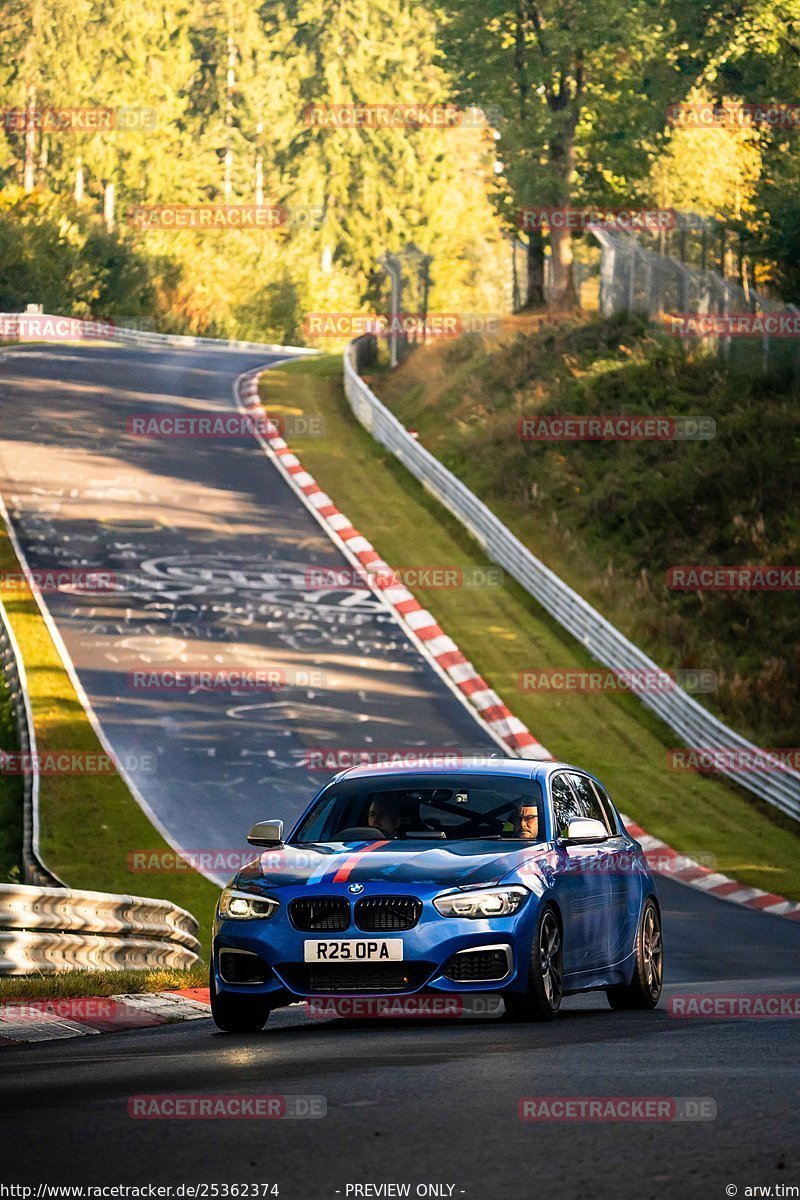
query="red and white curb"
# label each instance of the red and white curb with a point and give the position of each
(487, 706)
(669, 862)
(56, 1018)
(492, 713)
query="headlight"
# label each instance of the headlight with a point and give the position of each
(243, 906)
(492, 902)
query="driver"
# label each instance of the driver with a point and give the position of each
(526, 821)
(387, 814)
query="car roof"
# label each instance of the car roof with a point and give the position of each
(520, 767)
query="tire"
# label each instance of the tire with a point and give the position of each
(644, 990)
(545, 991)
(238, 1014)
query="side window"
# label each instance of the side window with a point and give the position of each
(590, 803)
(606, 805)
(566, 806)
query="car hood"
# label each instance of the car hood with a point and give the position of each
(456, 864)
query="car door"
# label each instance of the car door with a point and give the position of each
(627, 876)
(604, 867)
(583, 888)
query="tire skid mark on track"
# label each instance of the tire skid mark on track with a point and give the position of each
(460, 675)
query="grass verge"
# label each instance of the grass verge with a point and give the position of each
(89, 823)
(611, 518)
(66, 984)
(503, 631)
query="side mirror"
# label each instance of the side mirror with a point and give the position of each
(266, 833)
(585, 829)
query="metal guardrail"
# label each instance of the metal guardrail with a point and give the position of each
(60, 929)
(97, 329)
(13, 670)
(49, 927)
(140, 337)
(692, 724)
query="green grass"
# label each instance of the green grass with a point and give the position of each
(502, 630)
(63, 985)
(88, 823)
(611, 518)
(11, 799)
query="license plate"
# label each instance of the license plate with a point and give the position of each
(340, 950)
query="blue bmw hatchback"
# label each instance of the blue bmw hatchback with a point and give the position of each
(510, 877)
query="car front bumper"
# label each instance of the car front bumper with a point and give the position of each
(428, 950)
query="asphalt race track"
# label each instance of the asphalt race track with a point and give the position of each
(435, 1102)
(211, 549)
(210, 553)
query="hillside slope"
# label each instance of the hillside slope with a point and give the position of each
(611, 517)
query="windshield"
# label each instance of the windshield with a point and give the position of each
(428, 808)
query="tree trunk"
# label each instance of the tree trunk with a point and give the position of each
(230, 83)
(534, 293)
(29, 169)
(515, 302)
(562, 292)
(259, 167)
(79, 179)
(562, 161)
(108, 206)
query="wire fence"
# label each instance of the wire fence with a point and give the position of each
(699, 271)
(748, 333)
